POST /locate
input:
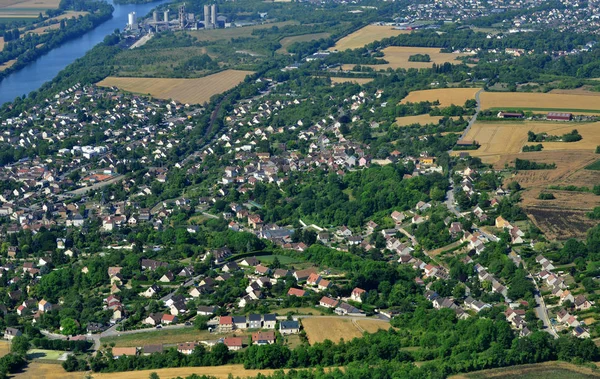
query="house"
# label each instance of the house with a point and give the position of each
(328, 302)
(566, 296)
(250, 262)
(239, 322)
(280, 273)
(187, 348)
(269, 321)
(263, 338)
(233, 343)
(313, 279)
(580, 332)
(344, 309)
(296, 292)
(152, 349)
(324, 284)
(398, 217)
(289, 327)
(151, 264)
(357, 294)
(178, 308)
(168, 319)
(44, 306)
(230, 267)
(262, 270)
(118, 352)
(562, 315)
(302, 275)
(167, 278)
(206, 310)
(153, 319)
(254, 321)
(10, 333)
(150, 291)
(225, 324)
(501, 223)
(581, 303)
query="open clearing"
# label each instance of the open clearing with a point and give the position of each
(192, 91)
(360, 81)
(397, 56)
(164, 336)
(446, 96)
(7, 64)
(55, 371)
(366, 35)
(422, 119)
(546, 370)
(4, 348)
(539, 101)
(287, 41)
(335, 328)
(230, 33)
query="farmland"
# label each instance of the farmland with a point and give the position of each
(575, 103)
(25, 8)
(164, 336)
(55, 371)
(547, 370)
(446, 96)
(193, 91)
(336, 328)
(44, 29)
(360, 81)
(366, 35)
(397, 56)
(422, 119)
(4, 348)
(231, 33)
(8, 64)
(287, 41)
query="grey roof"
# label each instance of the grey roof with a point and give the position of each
(289, 325)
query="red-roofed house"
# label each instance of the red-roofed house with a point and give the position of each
(356, 294)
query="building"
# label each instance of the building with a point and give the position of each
(254, 321)
(151, 349)
(509, 115)
(263, 338)
(296, 292)
(289, 327)
(559, 116)
(225, 324)
(233, 343)
(328, 302)
(186, 348)
(118, 352)
(356, 294)
(11, 333)
(269, 321)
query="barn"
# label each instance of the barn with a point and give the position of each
(557, 116)
(510, 115)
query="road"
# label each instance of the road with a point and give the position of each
(541, 311)
(474, 118)
(450, 200)
(84, 190)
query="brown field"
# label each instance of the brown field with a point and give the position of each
(522, 100)
(366, 35)
(287, 41)
(35, 4)
(498, 138)
(397, 56)
(585, 90)
(4, 348)
(194, 91)
(1, 43)
(547, 370)
(7, 64)
(446, 96)
(55, 371)
(336, 328)
(360, 81)
(230, 33)
(422, 119)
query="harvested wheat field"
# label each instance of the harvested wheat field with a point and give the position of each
(55, 371)
(335, 328)
(422, 119)
(7, 64)
(366, 35)
(446, 96)
(35, 4)
(192, 91)
(397, 57)
(585, 90)
(1, 43)
(44, 29)
(360, 81)
(539, 101)
(4, 348)
(498, 138)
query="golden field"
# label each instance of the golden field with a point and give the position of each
(336, 328)
(366, 35)
(25, 8)
(44, 29)
(7, 64)
(423, 119)
(4, 348)
(360, 81)
(446, 96)
(397, 56)
(525, 100)
(192, 91)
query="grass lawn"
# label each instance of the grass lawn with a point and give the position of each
(164, 336)
(299, 311)
(51, 355)
(283, 259)
(293, 341)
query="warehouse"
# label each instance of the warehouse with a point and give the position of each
(556, 116)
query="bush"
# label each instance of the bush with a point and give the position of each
(546, 196)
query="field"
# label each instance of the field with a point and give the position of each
(397, 56)
(49, 355)
(8, 64)
(25, 8)
(4, 348)
(547, 370)
(540, 101)
(194, 91)
(164, 336)
(43, 29)
(446, 96)
(360, 81)
(366, 35)
(55, 371)
(422, 119)
(336, 328)
(231, 33)
(287, 41)
(283, 259)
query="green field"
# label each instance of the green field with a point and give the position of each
(231, 33)
(161, 336)
(287, 41)
(283, 259)
(594, 166)
(548, 370)
(50, 355)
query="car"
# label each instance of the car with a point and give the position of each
(158, 326)
(187, 323)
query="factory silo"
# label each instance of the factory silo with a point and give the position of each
(132, 20)
(166, 15)
(206, 16)
(213, 14)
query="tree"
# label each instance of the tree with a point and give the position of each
(154, 376)
(20, 345)
(69, 326)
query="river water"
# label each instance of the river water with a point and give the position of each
(46, 67)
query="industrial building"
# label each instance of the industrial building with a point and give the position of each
(182, 21)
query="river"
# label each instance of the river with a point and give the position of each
(46, 67)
